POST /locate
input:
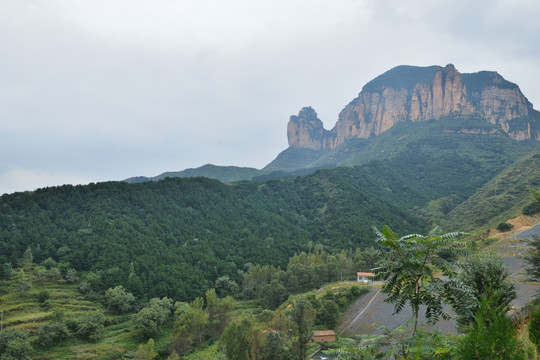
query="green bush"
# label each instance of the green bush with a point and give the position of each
(14, 345)
(534, 326)
(504, 227)
(46, 305)
(90, 326)
(43, 296)
(51, 333)
(119, 300)
(492, 336)
(531, 209)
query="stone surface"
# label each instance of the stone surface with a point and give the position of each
(439, 92)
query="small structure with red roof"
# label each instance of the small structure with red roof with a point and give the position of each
(365, 277)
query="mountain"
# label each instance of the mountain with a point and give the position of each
(224, 174)
(483, 103)
(446, 154)
(409, 94)
(180, 234)
(500, 199)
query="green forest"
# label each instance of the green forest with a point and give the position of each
(198, 269)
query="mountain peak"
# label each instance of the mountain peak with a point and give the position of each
(412, 93)
(306, 130)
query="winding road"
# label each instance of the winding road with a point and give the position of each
(528, 234)
(371, 308)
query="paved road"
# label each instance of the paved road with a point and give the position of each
(371, 308)
(527, 234)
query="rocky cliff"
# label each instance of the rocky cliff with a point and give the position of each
(408, 93)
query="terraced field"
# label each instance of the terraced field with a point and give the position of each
(22, 311)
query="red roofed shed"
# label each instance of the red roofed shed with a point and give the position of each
(365, 277)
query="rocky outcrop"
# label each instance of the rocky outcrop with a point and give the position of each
(307, 131)
(408, 93)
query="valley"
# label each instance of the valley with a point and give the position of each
(212, 262)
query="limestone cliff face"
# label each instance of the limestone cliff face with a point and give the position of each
(414, 94)
(307, 131)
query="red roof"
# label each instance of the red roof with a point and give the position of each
(365, 274)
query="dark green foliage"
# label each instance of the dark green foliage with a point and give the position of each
(90, 325)
(492, 336)
(6, 270)
(273, 294)
(224, 286)
(43, 296)
(273, 348)
(533, 259)
(329, 314)
(14, 345)
(534, 326)
(119, 300)
(487, 277)
(52, 333)
(49, 263)
(504, 227)
(532, 208)
(149, 320)
(302, 317)
(171, 231)
(236, 340)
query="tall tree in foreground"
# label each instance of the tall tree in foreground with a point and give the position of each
(408, 269)
(302, 316)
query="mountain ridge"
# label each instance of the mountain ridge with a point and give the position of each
(403, 94)
(409, 93)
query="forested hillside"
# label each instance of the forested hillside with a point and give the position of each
(180, 235)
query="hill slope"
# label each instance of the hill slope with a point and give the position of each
(181, 234)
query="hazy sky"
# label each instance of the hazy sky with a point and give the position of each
(101, 90)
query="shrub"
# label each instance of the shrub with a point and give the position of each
(492, 336)
(90, 326)
(119, 299)
(531, 209)
(149, 320)
(534, 326)
(49, 263)
(14, 344)
(43, 296)
(504, 227)
(52, 332)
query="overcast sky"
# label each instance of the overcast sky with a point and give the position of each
(100, 90)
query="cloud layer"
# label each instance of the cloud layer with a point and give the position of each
(104, 90)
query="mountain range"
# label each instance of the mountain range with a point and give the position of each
(419, 147)
(404, 94)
